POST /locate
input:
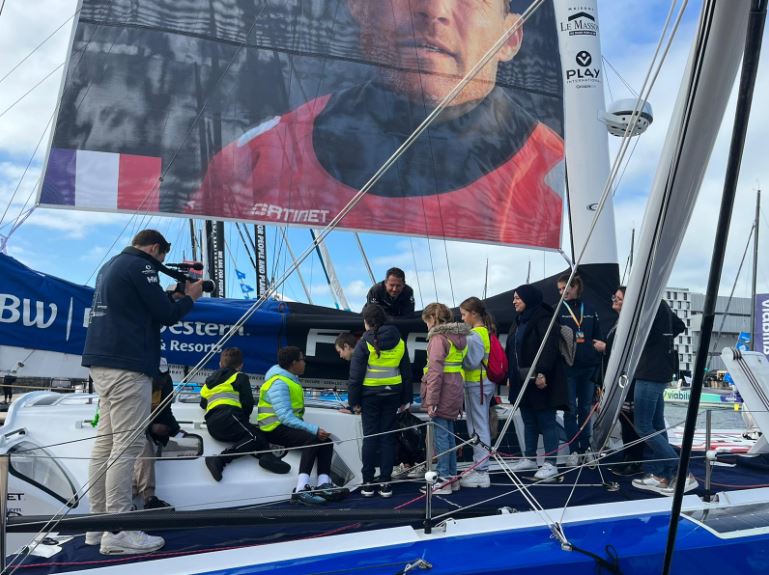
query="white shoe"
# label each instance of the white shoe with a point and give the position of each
(129, 543)
(691, 484)
(547, 471)
(475, 479)
(651, 482)
(442, 487)
(401, 470)
(523, 464)
(417, 472)
(455, 486)
(572, 460)
(93, 537)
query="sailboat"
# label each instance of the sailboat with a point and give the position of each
(619, 536)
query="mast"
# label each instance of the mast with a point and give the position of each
(751, 54)
(585, 135)
(755, 272)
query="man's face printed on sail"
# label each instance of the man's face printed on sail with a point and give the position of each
(426, 47)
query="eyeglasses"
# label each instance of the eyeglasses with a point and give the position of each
(615, 299)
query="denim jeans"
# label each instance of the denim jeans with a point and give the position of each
(650, 418)
(538, 422)
(443, 431)
(581, 391)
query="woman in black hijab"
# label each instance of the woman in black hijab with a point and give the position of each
(546, 392)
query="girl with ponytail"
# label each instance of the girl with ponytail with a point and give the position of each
(478, 389)
(379, 386)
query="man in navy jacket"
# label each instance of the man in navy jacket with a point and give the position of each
(122, 350)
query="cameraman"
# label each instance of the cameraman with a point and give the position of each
(122, 348)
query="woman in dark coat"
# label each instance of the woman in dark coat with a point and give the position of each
(546, 392)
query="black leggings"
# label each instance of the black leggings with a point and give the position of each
(290, 437)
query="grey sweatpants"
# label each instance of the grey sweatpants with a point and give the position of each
(477, 416)
(125, 399)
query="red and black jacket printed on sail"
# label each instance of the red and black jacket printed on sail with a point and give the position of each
(487, 172)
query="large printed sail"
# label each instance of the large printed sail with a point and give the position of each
(279, 111)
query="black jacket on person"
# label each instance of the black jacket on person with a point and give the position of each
(162, 388)
(402, 305)
(555, 394)
(388, 338)
(241, 385)
(586, 355)
(128, 309)
(659, 358)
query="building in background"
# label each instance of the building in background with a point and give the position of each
(732, 317)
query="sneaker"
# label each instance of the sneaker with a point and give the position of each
(215, 466)
(523, 464)
(572, 460)
(627, 469)
(129, 543)
(546, 472)
(307, 497)
(368, 490)
(331, 492)
(385, 490)
(274, 464)
(442, 486)
(417, 472)
(651, 482)
(691, 484)
(93, 537)
(454, 482)
(401, 470)
(475, 479)
(153, 502)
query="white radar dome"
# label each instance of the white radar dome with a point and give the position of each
(620, 115)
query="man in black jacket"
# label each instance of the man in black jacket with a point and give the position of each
(655, 370)
(122, 350)
(393, 295)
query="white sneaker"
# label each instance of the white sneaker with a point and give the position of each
(475, 479)
(572, 460)
(523, 464)
(400, 470)
(129, 543)
(442, 487)
(547, 471)
(651, 482)
(93, 537)
(417, 472)
(455, 486)
(691, 484)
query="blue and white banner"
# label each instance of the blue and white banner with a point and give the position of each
(761, 335)
(42, 312)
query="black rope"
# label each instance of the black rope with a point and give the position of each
(611, 564)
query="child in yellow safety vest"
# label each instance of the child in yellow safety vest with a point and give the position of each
(379, 387)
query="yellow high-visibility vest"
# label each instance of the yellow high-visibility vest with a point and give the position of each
(222, 394)
(266, 418)
(476, 375)
(385, 369)
(453, 361)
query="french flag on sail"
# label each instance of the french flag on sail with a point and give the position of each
(101, 181)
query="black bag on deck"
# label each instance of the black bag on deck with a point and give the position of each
(409, 441)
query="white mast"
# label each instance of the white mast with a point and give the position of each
(587, 146)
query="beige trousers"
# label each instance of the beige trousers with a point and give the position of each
(144, 471)
(124, 405)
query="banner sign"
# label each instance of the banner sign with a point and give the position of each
(761, 335)
(279, 111)
(42, 312)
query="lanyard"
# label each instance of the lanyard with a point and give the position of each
(574, 317)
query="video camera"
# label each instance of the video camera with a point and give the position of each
(183, 273)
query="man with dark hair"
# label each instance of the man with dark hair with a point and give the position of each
(484, 157)
(393, 295)
(281, 417)
(228, 401)
(122, 350)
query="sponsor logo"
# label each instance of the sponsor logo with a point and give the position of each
(29, 312)
(152, 279)
(765, 326)
(583, 75)
(592, 207)
(580, 24)
(280, 214)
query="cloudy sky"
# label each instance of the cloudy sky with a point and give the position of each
(73, 244)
